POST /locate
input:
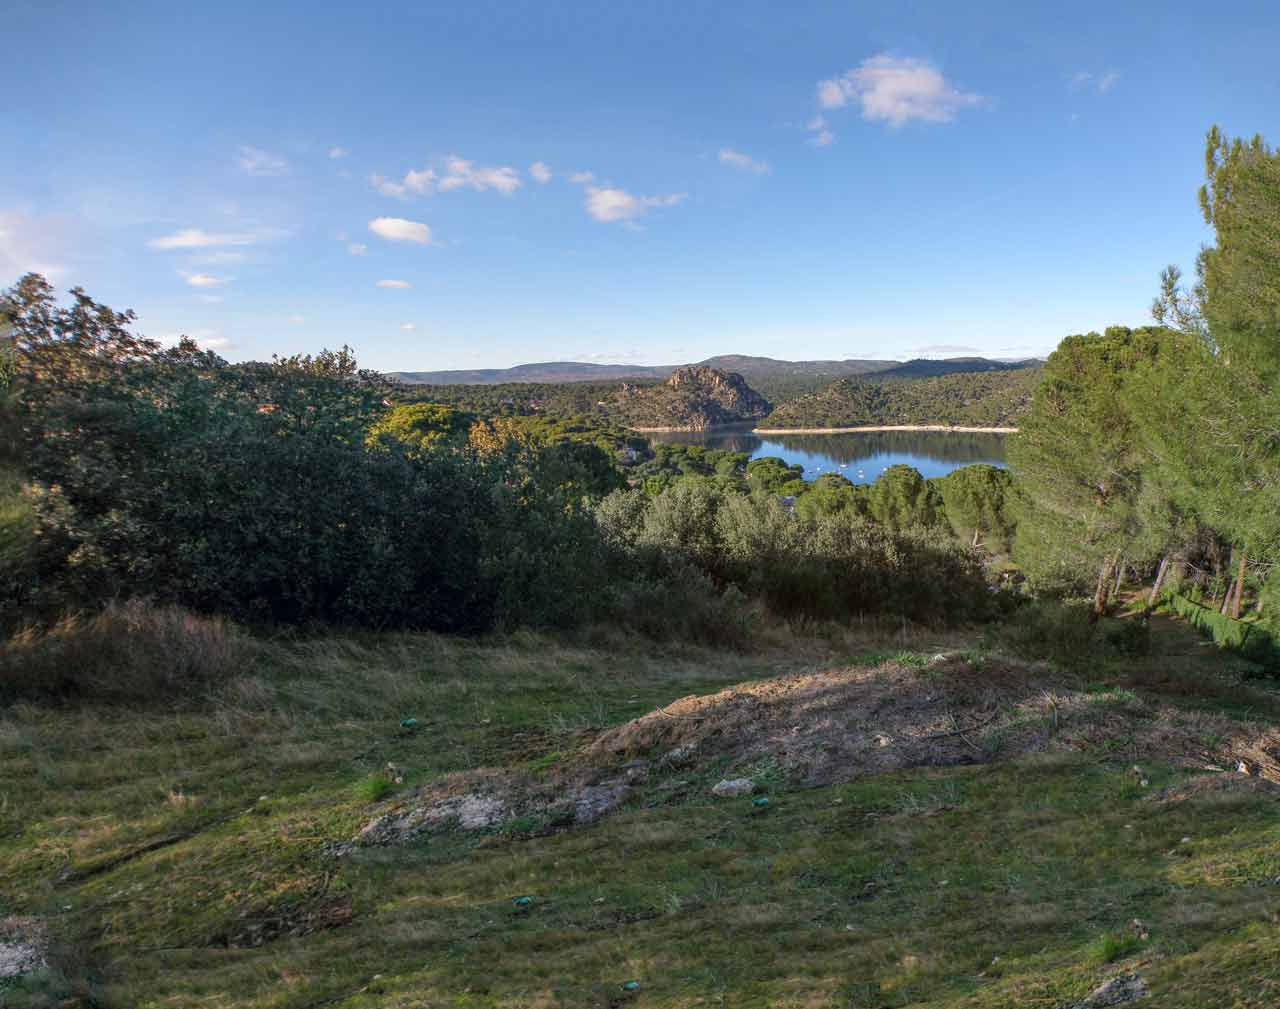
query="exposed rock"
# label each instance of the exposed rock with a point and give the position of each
(1116, 991)
(471, 811)
(730, 787)
(694, 399)
(22, 947)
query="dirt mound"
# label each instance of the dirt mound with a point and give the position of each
(825, 727)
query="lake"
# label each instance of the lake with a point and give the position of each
(859, 457)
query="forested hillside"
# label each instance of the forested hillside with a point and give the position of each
(979, 399)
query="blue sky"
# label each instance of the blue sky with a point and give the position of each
(482, 184)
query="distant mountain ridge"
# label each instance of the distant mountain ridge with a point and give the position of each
(750, 368)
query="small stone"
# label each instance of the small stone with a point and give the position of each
(1185, 840)
(730, 787)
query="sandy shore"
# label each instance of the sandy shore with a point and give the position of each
(884, 427)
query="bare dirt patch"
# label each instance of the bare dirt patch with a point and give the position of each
(829, 726)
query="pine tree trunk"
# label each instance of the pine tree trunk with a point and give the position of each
(1235, 603)
(1226, 599)
(1115, 591)
(1155, 588)
(1100, 593)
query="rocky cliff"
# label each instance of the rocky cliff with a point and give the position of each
(692, 399)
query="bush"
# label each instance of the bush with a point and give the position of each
(1251, 641)
(130, 651)
(1047, 629)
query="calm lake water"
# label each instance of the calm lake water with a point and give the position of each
(859, 457)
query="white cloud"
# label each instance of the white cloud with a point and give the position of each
(896, 90)
(296, 320)
(818, 122)
(420, 181)
(397, 229)
(582, 178)
(259, 162)
(947, 348)
(455, 173)
(388, 188)
(206, 339)
(196, 238)
(609, 203)
(540, 172)
(397, 284)
(462, 174)
(736, 159)
(408, 327)
(823, 138)
(338, 152)
(1101, 82)
(203, 279)
(27, 247)
(210, 299)
(357, 248)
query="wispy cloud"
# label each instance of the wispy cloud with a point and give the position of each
(27, 246)
(582, 178)
(453, 173)
(357, 248)
(408, 327)
(946, 348)
(296, 320)
(743, 162)
(396, 284)
(896, 90)
(397, 229)
(540, 172)
(338, 152)
(203, 279)
(1102, 83)
(208, 339)
(258, 162)
(197, 238)
(609, 203)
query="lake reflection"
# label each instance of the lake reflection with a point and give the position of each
(859, 457)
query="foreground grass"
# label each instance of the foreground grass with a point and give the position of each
(177, 854)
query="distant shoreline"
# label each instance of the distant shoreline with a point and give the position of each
(885, 427)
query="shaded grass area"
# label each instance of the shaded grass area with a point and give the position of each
(177, 853)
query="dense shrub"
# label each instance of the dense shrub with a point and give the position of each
(1250, 640)
(829, 566)
(127, 652)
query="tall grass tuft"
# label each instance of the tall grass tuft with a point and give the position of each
(131, 651)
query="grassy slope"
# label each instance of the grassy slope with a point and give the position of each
(177, 855)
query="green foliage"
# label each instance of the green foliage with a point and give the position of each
(833, 566)
(978, 500)
(770, 474)
(1248, 639)
(968, 399)
(1079, 462)
(901, 498)
(1047, 629)
(420, 427)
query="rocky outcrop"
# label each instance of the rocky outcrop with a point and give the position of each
(692, 399)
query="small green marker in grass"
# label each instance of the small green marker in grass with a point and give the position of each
(760, 802)
(523, 903)
(630, 985)
(408, 723)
